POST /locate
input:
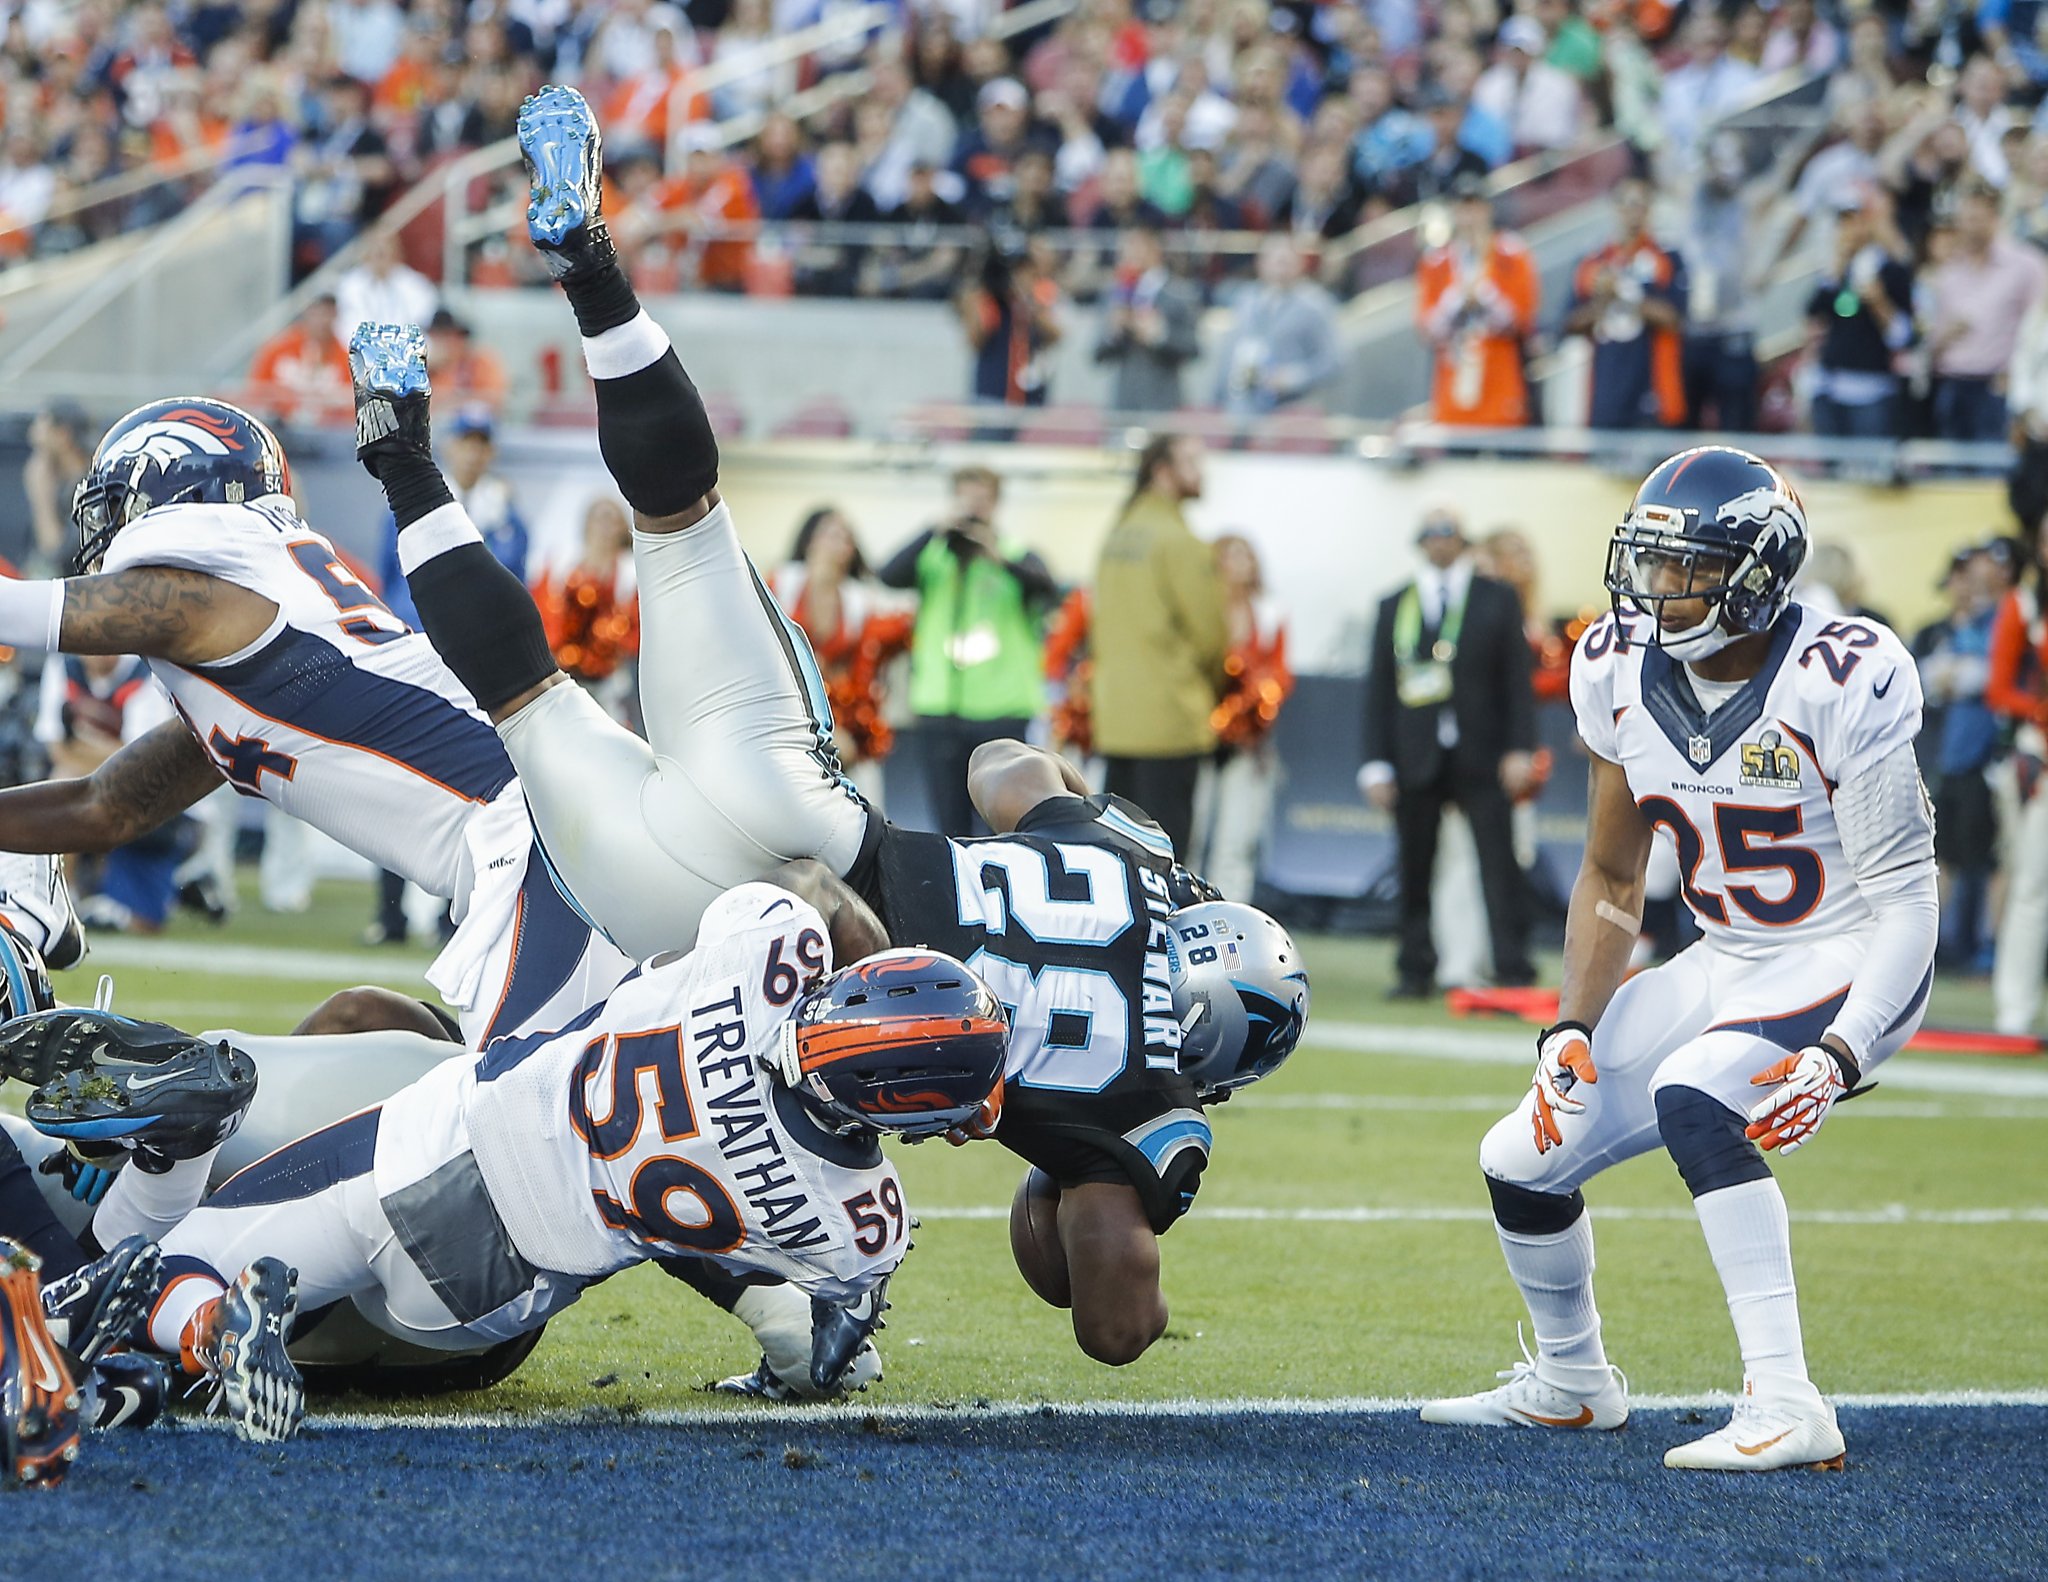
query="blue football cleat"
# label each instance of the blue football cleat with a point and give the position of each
(125, 1389)
(388, 366)
(564, 154)
(38, 1402)
(143, 1086)
(94, 1308)
(840, 1329)
(241, 1344)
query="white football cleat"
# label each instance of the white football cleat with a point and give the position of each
(1766, 1433)
(1527, 1401)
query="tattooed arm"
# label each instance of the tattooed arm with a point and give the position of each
(161, 612)
(147, 783)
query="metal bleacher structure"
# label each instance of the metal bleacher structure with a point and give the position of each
(187, 303)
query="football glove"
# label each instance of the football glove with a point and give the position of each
(1808, 1085)
(1564, 1059)
(983, 1125)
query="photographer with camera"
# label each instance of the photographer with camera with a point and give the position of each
(1475, 302)
(1009, 307)
(974, 655)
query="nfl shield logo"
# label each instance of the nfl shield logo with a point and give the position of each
(1699, 750)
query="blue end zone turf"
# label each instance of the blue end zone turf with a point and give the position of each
(1929, 1492)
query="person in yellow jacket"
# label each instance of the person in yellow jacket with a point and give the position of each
(1160, 637)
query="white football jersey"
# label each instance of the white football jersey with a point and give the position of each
(1746, 789)
(648, 1128)
(339, 713)
(33, 898)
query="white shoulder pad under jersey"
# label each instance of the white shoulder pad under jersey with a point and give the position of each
(1745, 790)
(339, 713)
(649, 1128)
(33, 900)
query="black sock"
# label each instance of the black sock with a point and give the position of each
(599, 293)
(413, 487)
(710, 1280)
(25, 1217)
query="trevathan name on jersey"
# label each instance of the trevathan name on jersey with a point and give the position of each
(1743, 776)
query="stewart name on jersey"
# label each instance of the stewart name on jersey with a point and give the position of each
(1745, 790)
(1065, 919)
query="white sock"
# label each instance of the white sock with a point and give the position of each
(1555, 1273)
(180, 1301)
(625, 348)
(444, 528)
(139, 1203)
(1751, 1240)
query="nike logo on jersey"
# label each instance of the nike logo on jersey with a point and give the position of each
(1584, 1419)
(1877, 691)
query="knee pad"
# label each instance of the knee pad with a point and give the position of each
(1705, 1140)
(1524, 1212)
(656, 438)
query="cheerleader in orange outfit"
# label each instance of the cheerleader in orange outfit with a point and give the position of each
(824, 587)
(1235, 801)
(591, 612)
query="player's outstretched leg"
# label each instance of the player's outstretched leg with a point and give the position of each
(38, 1401)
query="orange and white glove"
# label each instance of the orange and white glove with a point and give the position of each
(983, 1125)
(1564, 1059)
(1808, 1084)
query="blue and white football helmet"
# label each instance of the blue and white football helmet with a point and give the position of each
(170, 452)
(1240, 991)
(1715, 524)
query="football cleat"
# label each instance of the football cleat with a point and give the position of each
(125, 1389)
(767, 1385)
(1797, 1429)
(240, 1343)
(1527, 1401)
(147, 1087)
(38, 1402)
(388, 365)
(92, 1309)
(564, 154)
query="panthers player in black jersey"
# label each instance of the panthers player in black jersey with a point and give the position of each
(1135, 994)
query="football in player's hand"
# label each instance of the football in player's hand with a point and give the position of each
(1035, 1238)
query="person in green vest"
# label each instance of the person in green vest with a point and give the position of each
(975, 671)
(1160, 636)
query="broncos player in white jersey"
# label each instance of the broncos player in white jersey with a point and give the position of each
(723, 1103)
(1075, 910)
(1775, 745)
(293, 683)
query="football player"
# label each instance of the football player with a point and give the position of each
(724, 1103)
(1775, 745)
(1135, 996)
(294, 683)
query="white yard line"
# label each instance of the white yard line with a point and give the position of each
(1395, 1104)
(715, 1414)
(1423, 1214)
(290, 964)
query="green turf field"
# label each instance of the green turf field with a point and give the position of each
(1919, 1216)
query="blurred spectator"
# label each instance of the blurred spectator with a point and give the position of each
(1034, 204)
(825, 587)
(28, 184)
(921, 129)
(1505, 555)
(2014, 691)
(1866, 76)
(782, 172)
(2027, 397)
(1448, 165)
(1954, 659)
(1978, 298)
(1842, 175)
(989, 149)
(1010, 310)
(366, 36)
(89, 709)
(1922, 166)
(1476, 300)
(344, 172)
(648, 106)
(60, 447)
(1542, 107)
(301, 374)
(1860, 318)
(1630, 298)
(1160, 636)
(1801, 39)
(382, 289)
(1150, 327)
(974, 653)
(1720, 331)
(1256, 170)
(2026, 195)
(833, 268)
(1711, 85)
(466, 376)
(625, 41)
(744, 44)
(1831, 581)
(591, 611)
(1982, 113)
(468, 447)
(1323, 204)
(920, 266)
(1234, 801)
(1281, 346)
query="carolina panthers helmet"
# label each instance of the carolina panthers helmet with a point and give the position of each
(1714, 524)
(1240, 991)
(903, 1041)
(167, 453)
(24, 981)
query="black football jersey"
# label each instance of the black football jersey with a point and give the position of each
(1065, 919)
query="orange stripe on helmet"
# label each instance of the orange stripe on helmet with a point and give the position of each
(832, 1042)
